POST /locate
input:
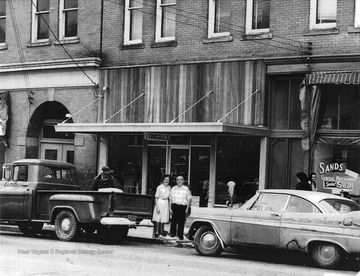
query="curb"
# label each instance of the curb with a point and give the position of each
(50, 228)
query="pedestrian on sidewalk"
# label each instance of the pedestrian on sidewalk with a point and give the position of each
(180, 206)
(303, 183)
(162, 206)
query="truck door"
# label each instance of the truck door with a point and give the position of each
(15, 197)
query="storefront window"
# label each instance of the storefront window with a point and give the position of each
(125, 159)
(237, 160)
(337, 167)
(339, 107)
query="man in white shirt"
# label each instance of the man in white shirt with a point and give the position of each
(180, 206)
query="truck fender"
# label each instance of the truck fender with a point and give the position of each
(57, 209)
(63, 201)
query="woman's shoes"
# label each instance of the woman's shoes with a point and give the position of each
(156, 235)
(164, 234)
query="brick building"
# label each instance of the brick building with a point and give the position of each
(250, 91)
(49, 60)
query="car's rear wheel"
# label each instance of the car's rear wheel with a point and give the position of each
(66, 226)
(206, 242)
(326, 255)
(30, 228)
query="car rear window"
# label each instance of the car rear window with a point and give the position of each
(339, 206)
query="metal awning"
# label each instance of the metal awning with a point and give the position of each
(203, 127)
(333, 77)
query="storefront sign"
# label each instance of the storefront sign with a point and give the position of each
(157, 137)
(341, 182)
(336, 176)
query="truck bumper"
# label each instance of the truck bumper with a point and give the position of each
(116, 221)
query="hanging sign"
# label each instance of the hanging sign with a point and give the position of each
(157, 137)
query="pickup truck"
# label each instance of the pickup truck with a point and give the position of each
(46, 191)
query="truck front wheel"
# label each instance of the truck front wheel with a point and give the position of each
(66, 226)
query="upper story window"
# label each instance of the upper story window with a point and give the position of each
(323, 14)
(357, 14)
(68, 23)
(40, 19)
(219, 18)
(257, 16)
(165, 20)
(2, 21)
(133, 21)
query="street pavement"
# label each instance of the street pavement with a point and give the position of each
(142, 233)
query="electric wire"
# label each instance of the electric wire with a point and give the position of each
(255, 41)
(62, 46)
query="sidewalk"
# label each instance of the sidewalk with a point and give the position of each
(142, 233)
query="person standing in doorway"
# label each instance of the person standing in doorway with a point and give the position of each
(303, 183)
(180, 206)
(162, 206)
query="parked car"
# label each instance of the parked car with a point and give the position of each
(324, 225)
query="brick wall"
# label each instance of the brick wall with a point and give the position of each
(289, 20)
(18, 50)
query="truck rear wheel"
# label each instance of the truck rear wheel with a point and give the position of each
(30, 228)
(66, 226)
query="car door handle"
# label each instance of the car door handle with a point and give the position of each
(275, 215)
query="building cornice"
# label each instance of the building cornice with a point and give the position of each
(51, 64)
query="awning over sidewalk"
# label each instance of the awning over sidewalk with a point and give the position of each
(203, 127)
(333, 77)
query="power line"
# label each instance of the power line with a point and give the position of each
(189, 24)
(62, 46)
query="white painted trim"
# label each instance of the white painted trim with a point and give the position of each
(357, 14)
(211, 21)
(35, 22)
(62, 21)
(127, 24)
(313, 25)
(249, 16)
(159, 17)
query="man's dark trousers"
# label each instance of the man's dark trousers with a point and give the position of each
(178, 220)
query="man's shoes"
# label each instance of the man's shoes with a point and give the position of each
(164, 234)
(156, 235)
(171, 235)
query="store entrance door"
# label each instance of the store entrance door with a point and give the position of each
(179, 163)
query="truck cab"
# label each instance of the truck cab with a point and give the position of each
(17, 193)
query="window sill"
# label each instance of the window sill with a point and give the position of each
(254, 36)
(67, 41)
(3, 46)
(218, 39)
(132, 46)
(352, 30)
(38, 44)
(172, 43)
(321, 32)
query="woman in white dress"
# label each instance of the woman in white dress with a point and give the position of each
(162, 206)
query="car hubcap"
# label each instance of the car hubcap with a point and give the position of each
(327, 252)
(209, 240)
(65, 224)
